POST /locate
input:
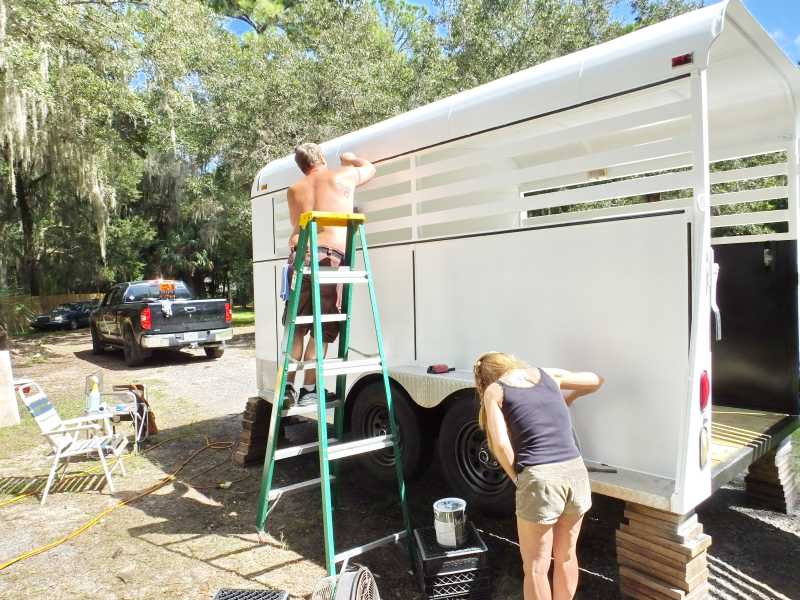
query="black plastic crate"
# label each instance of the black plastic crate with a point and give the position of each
(232, 594)
(471, 584)
(434, 560)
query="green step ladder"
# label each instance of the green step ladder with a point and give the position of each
(340, 366)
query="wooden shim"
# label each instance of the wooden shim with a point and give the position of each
(678, 563)
(647, 530)
(677, 577)
(687, 550)
(651, 585)
(658, 514)
(666, 526)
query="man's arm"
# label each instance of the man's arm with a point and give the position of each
(362, 170)
(297, 206)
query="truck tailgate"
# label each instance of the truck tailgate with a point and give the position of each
(175, 316)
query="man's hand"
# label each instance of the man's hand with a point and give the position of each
(364, 170)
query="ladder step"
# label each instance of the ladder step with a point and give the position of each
(298, 450)
(311, 409)
(362, 446)
(295, 487)
(323, 319)
(337, 366)
(393, 538)
(339, 275)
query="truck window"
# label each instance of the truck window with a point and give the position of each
(144, 292)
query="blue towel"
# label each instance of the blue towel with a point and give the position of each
(286, 287)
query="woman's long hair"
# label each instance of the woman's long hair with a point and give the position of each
(490, 367)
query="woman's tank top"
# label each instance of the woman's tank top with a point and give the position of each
(538, 422)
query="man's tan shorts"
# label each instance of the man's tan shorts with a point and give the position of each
(545, 492)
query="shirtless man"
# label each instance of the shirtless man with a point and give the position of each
(321, 189)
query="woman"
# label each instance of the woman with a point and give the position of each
(525, 416)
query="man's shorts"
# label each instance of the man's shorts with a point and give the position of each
(546, 492)
(330, 297)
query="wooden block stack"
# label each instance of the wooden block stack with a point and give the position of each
(255, 427)
(773, 481)
(661, 555)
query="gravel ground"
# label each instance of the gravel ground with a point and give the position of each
(192, 537)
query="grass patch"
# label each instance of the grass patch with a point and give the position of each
(26, 436)
(243, 318)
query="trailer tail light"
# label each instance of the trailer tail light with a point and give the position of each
(146, 318)
(228, 312)
(683, 59)
(705, 390)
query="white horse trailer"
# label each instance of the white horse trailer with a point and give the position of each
(486, 234)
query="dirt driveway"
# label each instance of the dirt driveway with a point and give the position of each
(193, 536)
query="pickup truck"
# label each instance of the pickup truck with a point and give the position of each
(139, 316)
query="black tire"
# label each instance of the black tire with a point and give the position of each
(469, 468)
(134, 356)
(97, 345)
(214, 351)
(73, 325)
(370, 418)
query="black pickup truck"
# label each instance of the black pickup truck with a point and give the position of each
(140, 316)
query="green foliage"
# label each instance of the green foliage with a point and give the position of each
(131, 130)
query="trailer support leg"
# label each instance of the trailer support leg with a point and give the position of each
(773, 481)
(662, 555)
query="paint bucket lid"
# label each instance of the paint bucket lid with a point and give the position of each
(449, 506)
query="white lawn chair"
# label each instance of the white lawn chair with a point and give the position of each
(81, 436)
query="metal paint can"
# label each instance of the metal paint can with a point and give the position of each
(449, 520)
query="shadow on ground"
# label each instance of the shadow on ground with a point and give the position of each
(199, 520)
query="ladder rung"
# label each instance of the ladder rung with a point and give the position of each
(359, 550)
(337, 366)
(298, 450)
(361, 446)
(340, 275)
(323, 319)
(311, 409)
(295, 487)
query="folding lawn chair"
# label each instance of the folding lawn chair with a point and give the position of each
(66, 437)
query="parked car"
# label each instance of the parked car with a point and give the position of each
(71, 315)
(140, 316)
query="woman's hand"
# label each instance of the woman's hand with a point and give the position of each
(497, 432)
(577, 384)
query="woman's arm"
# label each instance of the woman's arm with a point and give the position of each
(577, 384)
(497, 432)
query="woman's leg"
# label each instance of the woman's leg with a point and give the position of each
(565, 558)
(535, 544)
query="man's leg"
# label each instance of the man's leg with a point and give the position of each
(297, 353)
(310, 377)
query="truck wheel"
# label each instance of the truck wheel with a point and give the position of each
(370, 418)
(97, 346)
(134, 356)
(214, 351)
(468, 465)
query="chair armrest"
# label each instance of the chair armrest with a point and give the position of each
(64, 430)
(95, 417)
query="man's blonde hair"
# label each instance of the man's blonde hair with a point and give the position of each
(490, 367)
(308, 156)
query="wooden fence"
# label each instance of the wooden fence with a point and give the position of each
(16, 311)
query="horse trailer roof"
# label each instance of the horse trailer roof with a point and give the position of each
(748, 75)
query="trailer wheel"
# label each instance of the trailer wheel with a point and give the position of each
(468, 465)
(370, 418)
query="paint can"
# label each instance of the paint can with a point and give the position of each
(449, 520)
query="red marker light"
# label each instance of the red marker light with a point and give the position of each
(705, 390)
(228, 312)
(146, 319)
(683, 59)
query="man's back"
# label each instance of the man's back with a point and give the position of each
(328, 190)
